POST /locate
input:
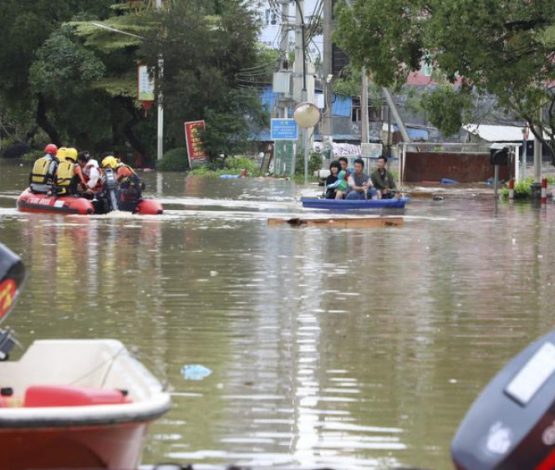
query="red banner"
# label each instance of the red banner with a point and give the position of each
(195, 145)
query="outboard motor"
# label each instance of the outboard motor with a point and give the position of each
(12, 275)
(111, 189)
(511, 425)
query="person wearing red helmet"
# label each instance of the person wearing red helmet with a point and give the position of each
(41, 178)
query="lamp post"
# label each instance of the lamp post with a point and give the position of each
(160, 124)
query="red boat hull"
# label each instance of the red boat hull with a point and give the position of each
(149, 207)
(114, 447)
(41, 203)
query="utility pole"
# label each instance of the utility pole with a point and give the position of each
(160, 132)
(364, 107)
(396, 115)
(538, 150)
(327, 120)
(284, 44)
(299, 70)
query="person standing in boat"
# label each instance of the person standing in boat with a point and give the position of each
(67, 178)
(130, 186)
(90, 171)
(360, 186)
(330, 192)
(41, 178)
(383, 180)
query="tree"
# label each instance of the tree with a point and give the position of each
(207, 46)
(501, 47)
(26, 25)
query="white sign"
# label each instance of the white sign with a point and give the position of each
(145, 84)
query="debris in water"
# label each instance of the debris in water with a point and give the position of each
(195, 372)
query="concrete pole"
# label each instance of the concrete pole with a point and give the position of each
(160, 125)
(284, 49)
(524, 157)
(396, 114)
(538, 155)
(284, 39)
(364, 107)
(326, 125)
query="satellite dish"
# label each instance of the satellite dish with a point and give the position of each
(307, 115)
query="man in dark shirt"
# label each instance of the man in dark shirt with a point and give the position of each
(383, 180)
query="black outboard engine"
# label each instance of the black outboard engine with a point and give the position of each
(12, 275)
(111, 189)
(511, 425)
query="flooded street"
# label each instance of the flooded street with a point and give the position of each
(347, 348)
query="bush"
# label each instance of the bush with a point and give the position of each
(231, 166)
(314, 163)
(32, 155)
(239, 163)
(523, 190)
(16, 150)
(174, 160)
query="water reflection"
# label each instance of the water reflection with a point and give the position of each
(345, 348)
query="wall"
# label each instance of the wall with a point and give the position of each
(462, 167)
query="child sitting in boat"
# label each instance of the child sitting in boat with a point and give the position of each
(340, 185)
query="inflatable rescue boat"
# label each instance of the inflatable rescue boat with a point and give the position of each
(42, 203)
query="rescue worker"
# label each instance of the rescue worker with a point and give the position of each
(122, 170)
(67, 176)
(41, 178)
(91, 174)
(129, 183)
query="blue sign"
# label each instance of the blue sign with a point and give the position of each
(284, 129)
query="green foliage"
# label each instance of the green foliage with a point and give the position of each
(500, 47)
(32, 155)
(205, 62)
(314, 163)
(174, 160)
(447, 108)
(349, 83)
(523, 189)
(231, 166)
(63, 61)
(241, 163)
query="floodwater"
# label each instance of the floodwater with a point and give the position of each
(328, 347)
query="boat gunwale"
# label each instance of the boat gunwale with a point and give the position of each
(80, 416)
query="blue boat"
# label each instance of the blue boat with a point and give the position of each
(348, 204)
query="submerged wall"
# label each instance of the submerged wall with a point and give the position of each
(463, 167)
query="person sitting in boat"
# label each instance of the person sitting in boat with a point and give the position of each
(344, 163)
(330, 192)
(340, 186)
(90, 171)
(360, 186)
(67, 177)
(41, 178)
(383, 180)
(130, 185)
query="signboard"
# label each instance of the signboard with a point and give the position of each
(371, 150)
(284, 129)
(145, 84)
(195, 145)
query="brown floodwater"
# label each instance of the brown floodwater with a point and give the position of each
(340, 347)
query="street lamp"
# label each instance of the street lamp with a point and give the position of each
(160, 124)
(307, 115)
